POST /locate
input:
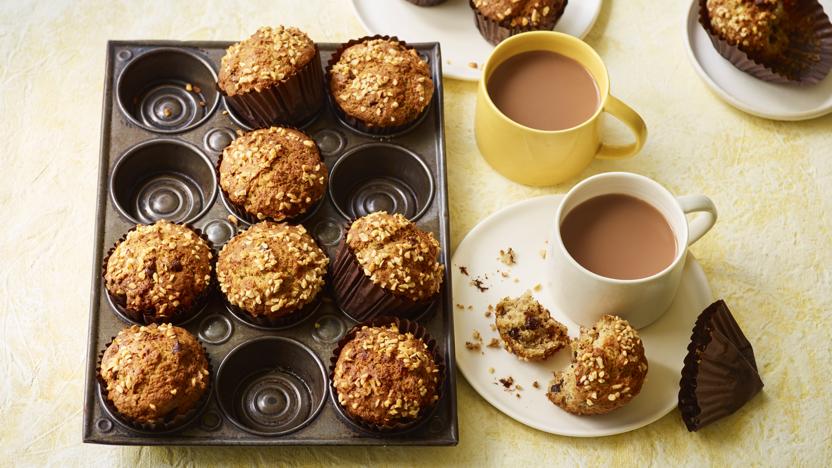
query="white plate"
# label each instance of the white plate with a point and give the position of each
(748, 94)
(452, 25)
(524, 227)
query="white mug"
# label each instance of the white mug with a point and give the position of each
(585, 296)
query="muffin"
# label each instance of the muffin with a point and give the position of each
(499, 19)
(274, 173)
(755, 26)
(273, 77)
(779, 41)
(154, 376)
(607, 370)
(527, 328)
(385, 264)
(379, 85)
(159, 273)
(385, 377)
(270, 273)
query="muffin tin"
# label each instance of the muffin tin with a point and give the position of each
(164, 126)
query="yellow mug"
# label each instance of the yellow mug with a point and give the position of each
(542, 157)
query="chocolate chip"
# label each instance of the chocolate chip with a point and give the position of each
(150, 270)
(532, 323)
(555, 388)
(175, 346)
(514, 333)
(176, 265)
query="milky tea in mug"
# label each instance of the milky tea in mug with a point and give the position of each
(619, 236)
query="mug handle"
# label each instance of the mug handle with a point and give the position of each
(631, 119)
(701, 224)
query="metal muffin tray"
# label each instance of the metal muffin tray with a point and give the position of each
(164, 125)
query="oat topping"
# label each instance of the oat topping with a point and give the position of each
(271, 269)
(269, 56)
(396, 255)
(160, 268)
(521, 13)
(381, 82)
(753, 25)
(384, 376)
(274, 173)
(151, 372)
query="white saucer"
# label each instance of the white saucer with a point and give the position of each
(748, 94)
(525, 228)
(452, 24)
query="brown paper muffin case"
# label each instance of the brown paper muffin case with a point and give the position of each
(180, 315)
(177, 423)
(405, 326)
(496, 31)
(717, 377)
(358, 124)
(808, 59)
(358, 296)
(294, 101)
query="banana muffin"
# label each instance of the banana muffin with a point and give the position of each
(607, 370)
(386, 264)
(499, 19)
(159, 272)
(273, 77)
(386, 378)
(154, 374)
(527, 328)
(274, 173)
(755, 26)
(379, 85)
(271, 271)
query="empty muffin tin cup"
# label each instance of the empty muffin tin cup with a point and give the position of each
(271, 386)
(163, 179)
(167, 90)
(381, 177)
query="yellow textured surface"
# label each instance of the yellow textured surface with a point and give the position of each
(768, 256)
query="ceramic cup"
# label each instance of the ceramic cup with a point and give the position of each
(540, 157)
(585, 296)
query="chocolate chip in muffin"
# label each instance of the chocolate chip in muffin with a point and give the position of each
(528, 329)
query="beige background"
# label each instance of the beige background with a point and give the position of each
(768, 256)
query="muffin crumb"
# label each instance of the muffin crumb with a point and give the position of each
(507, 256)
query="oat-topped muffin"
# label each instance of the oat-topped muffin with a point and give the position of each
(607, 371)
(153, 374)
(755, 26)
(271, 270)
(159, 272)
(397, 255)
(527, 328)
(269, 56)
(273, 173)
(274, 76)
(499, 19)
(385, 378)
(381, 83)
